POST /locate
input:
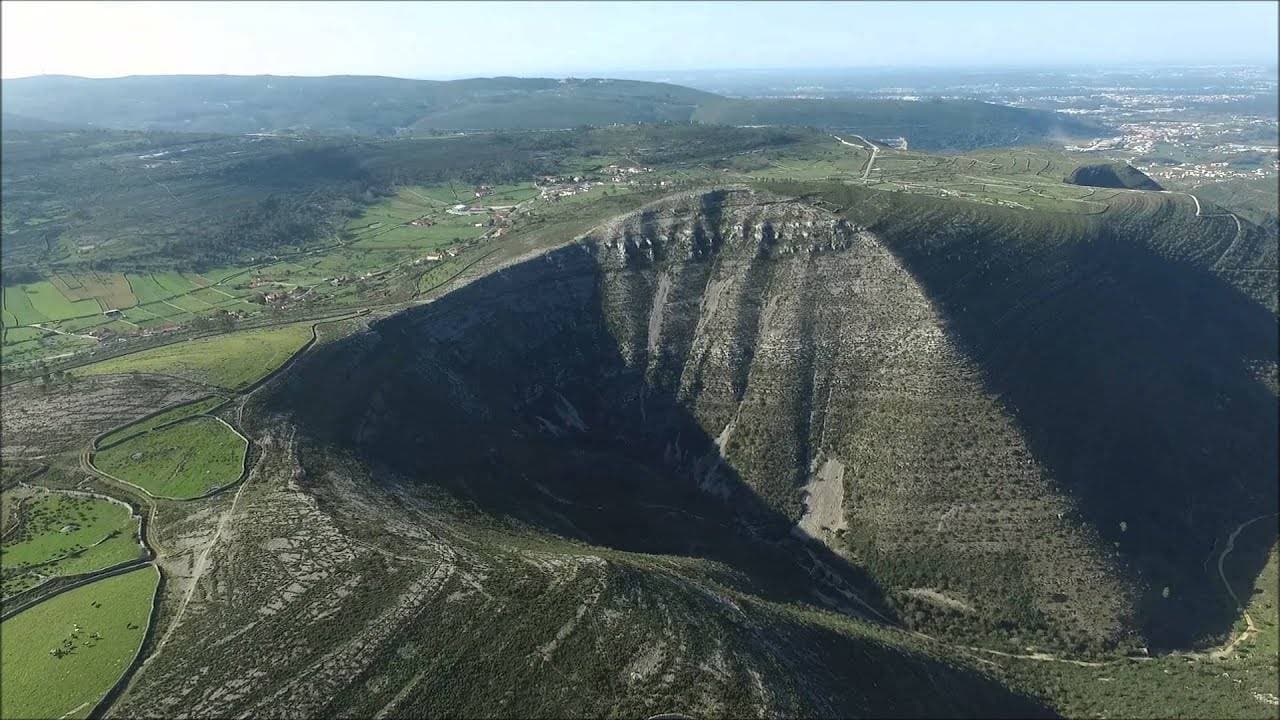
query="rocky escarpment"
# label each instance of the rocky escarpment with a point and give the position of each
(620, 477)
(715, 369)
(835, 391)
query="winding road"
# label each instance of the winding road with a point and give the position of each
(1200, 213)
(1250, 628)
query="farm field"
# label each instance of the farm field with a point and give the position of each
(180, 461)
(96, 629)
(377, 260)
(78, 300)
(387, 225)
(232, 361)
(168, 416)
(18, 309)
(47, 346)
(111, 290)
(61, 534)
(48, 302)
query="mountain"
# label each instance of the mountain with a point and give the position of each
(1112, 175)
(548, 511)
(382, 106)
(998, 421)
(342, 104)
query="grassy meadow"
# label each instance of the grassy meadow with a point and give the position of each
(61, 534)
(198, 407)
(179, 461)
(60, 657)
(232, 361)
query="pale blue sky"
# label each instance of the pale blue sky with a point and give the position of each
(450, 40)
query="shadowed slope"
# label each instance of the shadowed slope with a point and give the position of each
(1143, 380)
(512, 406)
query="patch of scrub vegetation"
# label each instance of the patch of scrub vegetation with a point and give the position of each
(55, 534)
(183, 460)
(233, 361)
(172, 415)
(60, 657)
(1240, 683)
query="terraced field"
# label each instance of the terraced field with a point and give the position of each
(184, 459)
(60, 657)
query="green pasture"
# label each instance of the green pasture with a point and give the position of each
(198, 407)
(22, 334)
(18, 306)
(146, 289)
(232, 360)
(52, 304)
(175, 283)
(61, 656)
(61, 534)
(183, 460)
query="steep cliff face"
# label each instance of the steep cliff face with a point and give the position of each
(719, 369)
(622, 477)
(999, 429)
(835, 392)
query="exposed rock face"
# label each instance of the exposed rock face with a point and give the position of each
(40, 419)
(610, 479)
(797, 340)
(719, 355)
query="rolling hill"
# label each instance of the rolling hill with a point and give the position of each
(1112, 175)
(927, 125)
(384, 106)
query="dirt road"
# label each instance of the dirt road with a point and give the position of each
(1250, 628)
(866, 171)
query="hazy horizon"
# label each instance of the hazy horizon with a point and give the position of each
(443, 41)
(656, 75)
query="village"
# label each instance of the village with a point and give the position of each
(554, 188)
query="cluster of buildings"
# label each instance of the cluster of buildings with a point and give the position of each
(620, 174)
(562, 188)
(552, 187)
(1190, 139)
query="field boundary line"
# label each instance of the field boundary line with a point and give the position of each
(95, 442)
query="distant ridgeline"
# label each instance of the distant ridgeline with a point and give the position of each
(1112, 175)
(383, 106)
